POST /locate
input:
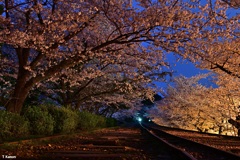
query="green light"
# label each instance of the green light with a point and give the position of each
(139, 119)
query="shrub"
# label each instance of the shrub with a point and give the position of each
(111, 122)
(86, 120)
(101, 121)
(91, 121)
(12, 126)
(66, 120)
(41, 122)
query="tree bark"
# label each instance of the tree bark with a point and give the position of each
(21, 90)
(16, 102)
(236, 124)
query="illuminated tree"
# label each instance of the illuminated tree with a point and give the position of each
(232, 3)
(108, 85)
(190, 105)
(48, 39)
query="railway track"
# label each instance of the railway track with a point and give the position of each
(187, 147)
(123, 143)
(127, 143)
(227, 143)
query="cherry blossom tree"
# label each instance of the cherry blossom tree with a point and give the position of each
(218, 44)
(190, 105)
(47, 39)
(228, 98)
(108, 85)
(232, 3)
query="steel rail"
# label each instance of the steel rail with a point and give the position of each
(223, 155)
(178, 150)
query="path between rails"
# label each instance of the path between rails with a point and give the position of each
(111, 143)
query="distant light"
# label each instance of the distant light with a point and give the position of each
(149, 120)
(139, 119)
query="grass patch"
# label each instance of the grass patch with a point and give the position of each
(11, 146)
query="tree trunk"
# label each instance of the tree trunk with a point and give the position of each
(20, 93)
(21, 89)
(16, 103)
(236, 124)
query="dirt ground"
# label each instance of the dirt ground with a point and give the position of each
(113, 143)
